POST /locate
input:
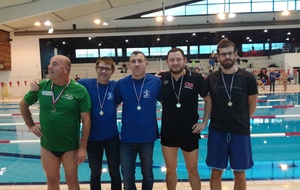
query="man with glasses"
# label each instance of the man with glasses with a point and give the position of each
(234, 97)
(104, 134)
(138, 92)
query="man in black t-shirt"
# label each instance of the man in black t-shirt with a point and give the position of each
(180, 127)
(234, 97)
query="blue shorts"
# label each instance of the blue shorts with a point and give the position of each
(223, 146)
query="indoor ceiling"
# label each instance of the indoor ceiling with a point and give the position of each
(75, 19)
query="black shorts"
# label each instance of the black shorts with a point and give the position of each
(186, 145)
(57, 153)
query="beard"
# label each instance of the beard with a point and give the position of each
(227, 65)
(176, 72)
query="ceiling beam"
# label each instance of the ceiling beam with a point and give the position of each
(171, 29)
(21, 11)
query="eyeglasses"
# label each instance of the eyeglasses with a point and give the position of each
(230, 54)
(107, 69)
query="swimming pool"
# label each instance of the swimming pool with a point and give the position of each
(275, 140)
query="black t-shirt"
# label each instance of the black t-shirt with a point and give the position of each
(235, 118)
(177, 123)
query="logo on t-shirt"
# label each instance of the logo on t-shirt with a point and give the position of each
(146, 93)
(188, 85)
(109, 96)
(166, 81)
(47, 93)
(68, 96)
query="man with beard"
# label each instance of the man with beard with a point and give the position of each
(180, 127)
(234, 96)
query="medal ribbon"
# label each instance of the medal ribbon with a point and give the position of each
(138, 97)
(99, 99)
(179, 91)
(230, 90)
(54, 100)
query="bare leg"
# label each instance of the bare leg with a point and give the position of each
(71, 170)
(239, 180)
(51, 165)
(216, 179)
(170, 156)
(191, 163)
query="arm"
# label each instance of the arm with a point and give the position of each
(252, 101)
(34, 85)
(86, 126)
(26, 114)
(198, 127)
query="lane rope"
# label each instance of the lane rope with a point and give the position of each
(287, 134)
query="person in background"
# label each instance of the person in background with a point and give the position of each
(277, 74)
(104, 134)
(180, 127)
(63, 102)
(139, 93)
(77, 78)
(272, 78)
(284, 78)
(124, 67)
(234, 98)
(261, 83)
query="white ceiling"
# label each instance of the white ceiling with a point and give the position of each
(18, 16)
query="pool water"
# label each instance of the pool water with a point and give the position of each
(275, 132)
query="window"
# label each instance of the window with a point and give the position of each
(193, 50)
(184, 49)
(107, 52)
(159, 51)
(237, 6)
(120, 53)
(130, 50)
(86, 53)
(207, 49)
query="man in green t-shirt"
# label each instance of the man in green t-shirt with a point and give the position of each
(63, 102)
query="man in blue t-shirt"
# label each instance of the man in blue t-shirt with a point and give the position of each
(104, 135)
(138, 93)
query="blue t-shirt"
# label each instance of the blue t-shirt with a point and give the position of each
(104, 126)
(138, 126)
(272, 76)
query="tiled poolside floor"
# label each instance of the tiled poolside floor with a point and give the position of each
(251, 185)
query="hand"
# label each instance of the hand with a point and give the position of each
(198, 127)
(34, 85)
(80, 155)
(36, 130)
(158, 74)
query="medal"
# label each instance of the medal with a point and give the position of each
(54, 100)
(178, 105)
(104, 97)
(138, 97)
(230, 88)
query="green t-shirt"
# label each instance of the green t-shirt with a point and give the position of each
(60, 129)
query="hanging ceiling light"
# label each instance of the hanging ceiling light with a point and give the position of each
(162, 17)
(47, 23)
(51, 29)
(222, 15)
(286, 12)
